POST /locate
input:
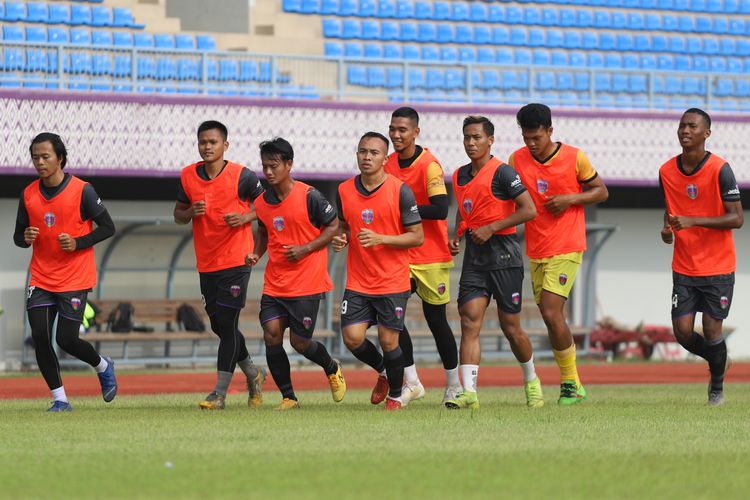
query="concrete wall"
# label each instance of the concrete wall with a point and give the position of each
(226, 16)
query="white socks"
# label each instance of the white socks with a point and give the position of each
(529, 373)
(451, 378)
(59, 394)
(469, 375)
(102, 365)
(410, 375)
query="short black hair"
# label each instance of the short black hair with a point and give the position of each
(407, 112)
(376, 135)
(277, 146)
(487, 125)
(699, 111)
(534, 115)
(57, 145)
(213, 125)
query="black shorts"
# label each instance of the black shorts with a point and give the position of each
(301, 313)
(227, 288)
(69, 305)
(710, 295)
(505, 285)
(386, 310)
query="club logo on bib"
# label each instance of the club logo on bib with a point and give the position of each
(235, 291)
(399, 312)
(307, 322)
(468, 204)
(692, 191)
(441, 288)
(278, 223)
(563, 279)
(675, 301)
(368, 215)
(76, 303)
(724, 302)
(541, 186)
(515, 298)
(49, 219)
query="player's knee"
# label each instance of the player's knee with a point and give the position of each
(271, 337)
(351, 341)
(300, 344)
(214, 324)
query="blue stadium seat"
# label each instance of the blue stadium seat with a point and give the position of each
(370, 30)
(564, 81)
(80, 36)
(545, 80)
(718, 65)
(686, 24)
(532, 16)
(123, 66)
(405, 10)
(427, 32)
(542, 57)
(392, 51)
(694, 86)
(624, 42)
(513, 15)
(434, 78)
(353, 49)
(441, 11)
(550, 17)
(121, 39)
(143, 40)
(648, 61)
(430, 53)
(376, 76)
(467, 54)
(460, 11)
(147, 68)
(292, 5)
(572, 40)
(80, 14)
(682, 63)
(454, 79)
(485, 55)
(389, 30)
(596, 60)
(737, 26)
(567, 18)
(12, 33)
(589, 40)
(710, 46)
(703, 24)
(477, 12)
(500, 35)
(670, 22)
(665, 62)
(602, 19)
(80, 63)
(519, 36)
(653, 22)
(310, 7)
(742, 88)
(504, 56)
(585, 19)
(58, 14)
(163, 41)
(482, 35)
(630, 61)
(248, 71)
(101, 16)
(613, 61)
(386, 8)
(15, 11)
(559, 58)
(700, 64)
(408, 32)
(57, 35)
(636, 21)
(554, 38)
(537, 37)
(374, 50)
(416, 78)
(637, 84)
(743, 47)
(356, 75)
(449, 54)
(602, 82)
(36, 12)
(620, 82)
(166, 69)
(720, 25)
(676, 44)
(495, 13)
(394, 77)
(577, 58)
(659, 43)
(694, 45)
(101, 37)
(123, 17)
(326, 7)
(422, 10)
(350, 28)
(464, 34)
(642, 43)
(410, 52)
(727, 46)
(734, 65)
(618, 20)
(445, 33)
(606, 41)
(348, 7)
(36, 59)
(333, 49)
(523, 57)
(35, 34)
(184, 42)
(731, 6)
(724, 87)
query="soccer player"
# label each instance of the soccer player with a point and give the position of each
(215, 194)
(56, 216)
(561, 182)
(703, 206)
(379, 222)
(492, 201)
(295, 224)
(431, 262)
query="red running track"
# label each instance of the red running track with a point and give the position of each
(490, 376)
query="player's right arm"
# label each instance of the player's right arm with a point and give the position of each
(341, 239)
(184, 210)
(24, 235)
(261, 245)
(454, 244)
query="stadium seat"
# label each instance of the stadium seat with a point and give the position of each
(422, 10)
(205, 42)
(653, 22)
(572, 40)
(123, 17)
(356, 75)
(519, 36)
(464, 34)
(392, 51)
(15, 11)
(12, 33)
(665, 62)
(606, 41)
(57, 35)
(577, 59)
(376, 76)
(596, 60)
(504, 56)
(589, 40)
(559, 58)
(682, 63)
(310, 7)
(122, 39)
(410, 52)
(467, 55)
(350, 28)
(123, 66)
(659, 43)
(642, 43)
(394, 77)
(554, 38)
(550, 17)
(347, 7)
(184, 42)
(737, 26)
(602, 82)
(370, 30)
(637, 84)
(80, 36)
(613, 61)
(537, 37)
(670, 22)
(404, 10)
(58, 14)
(353, 49)
(478, 13)
(700, 64)
(618, 20)
(693, 45)
(602, 19)
(703, 24)
(545, 80)
(495, 13)
(500, 35)
(718, 65)
(724, 87)
(143, 40)
(386, 8)
(326, 7)
(389, 30)
(532, 16)
(743, 47)
(513, 15)
(460, 11)
(624, 42)
(36, 59)
(541, 57)
(373, 50)
(676, 44)
(35, 34)
(620, 83)
(427, 32)
(485, 55)
(163, 41)
(648, 61)
(430, 53)
(636, 21)
(101, 37)
(101, 16)
(187, 69)
(331, 28)
(630, 61)
(416, 78)
(482, 35)
(523, 57)
(727, 46)
(564, 81)
(710, 46)
(36, 12)
(734, 65)
(80, 14)
(454, 79)
(585, 19)
(448, 54)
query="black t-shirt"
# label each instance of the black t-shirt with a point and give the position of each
(248, 186)
(319, 209)
(409, 161)
(501, 251)
(406, 201)
(91, 205)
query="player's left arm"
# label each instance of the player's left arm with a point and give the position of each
(594, 189)
(261, 245)
(324, 215)
(341, 239)
(249, 188)
(91, 209)
(437, 195)
(413, 234)
(730, 195)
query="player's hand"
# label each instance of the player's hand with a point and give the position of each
(481, 234)
(666, 235)
(67, 242)
(368, 238)
(558, 203)
(339, 243)
(295, 253)
(236, 220)
(251, 259)
(30, 234)
(454, 245)
(679, 222)
(198, 208)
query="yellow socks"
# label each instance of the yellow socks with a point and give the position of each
(566, 360)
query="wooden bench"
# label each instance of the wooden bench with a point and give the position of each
(161, 315)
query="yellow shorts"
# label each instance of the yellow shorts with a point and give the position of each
(555, 274)
(433, 282)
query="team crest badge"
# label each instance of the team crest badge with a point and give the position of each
(468, 204)
(563, 279)
(368, 215)
(724, 302)
(441, 288)
(692, 191)
(399, 312)
(307, 322)
(76, 303)
(49, 219)
(541, 186)
(278, 223)
(235, 291)
(515, 298)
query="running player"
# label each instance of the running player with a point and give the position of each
(55, 216)
(295, 224)
(703, 206)
(561, 181)
(380, 222)
(215, 195)
(492, 201)
(430, 263)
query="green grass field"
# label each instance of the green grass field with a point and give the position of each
(626, 441)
